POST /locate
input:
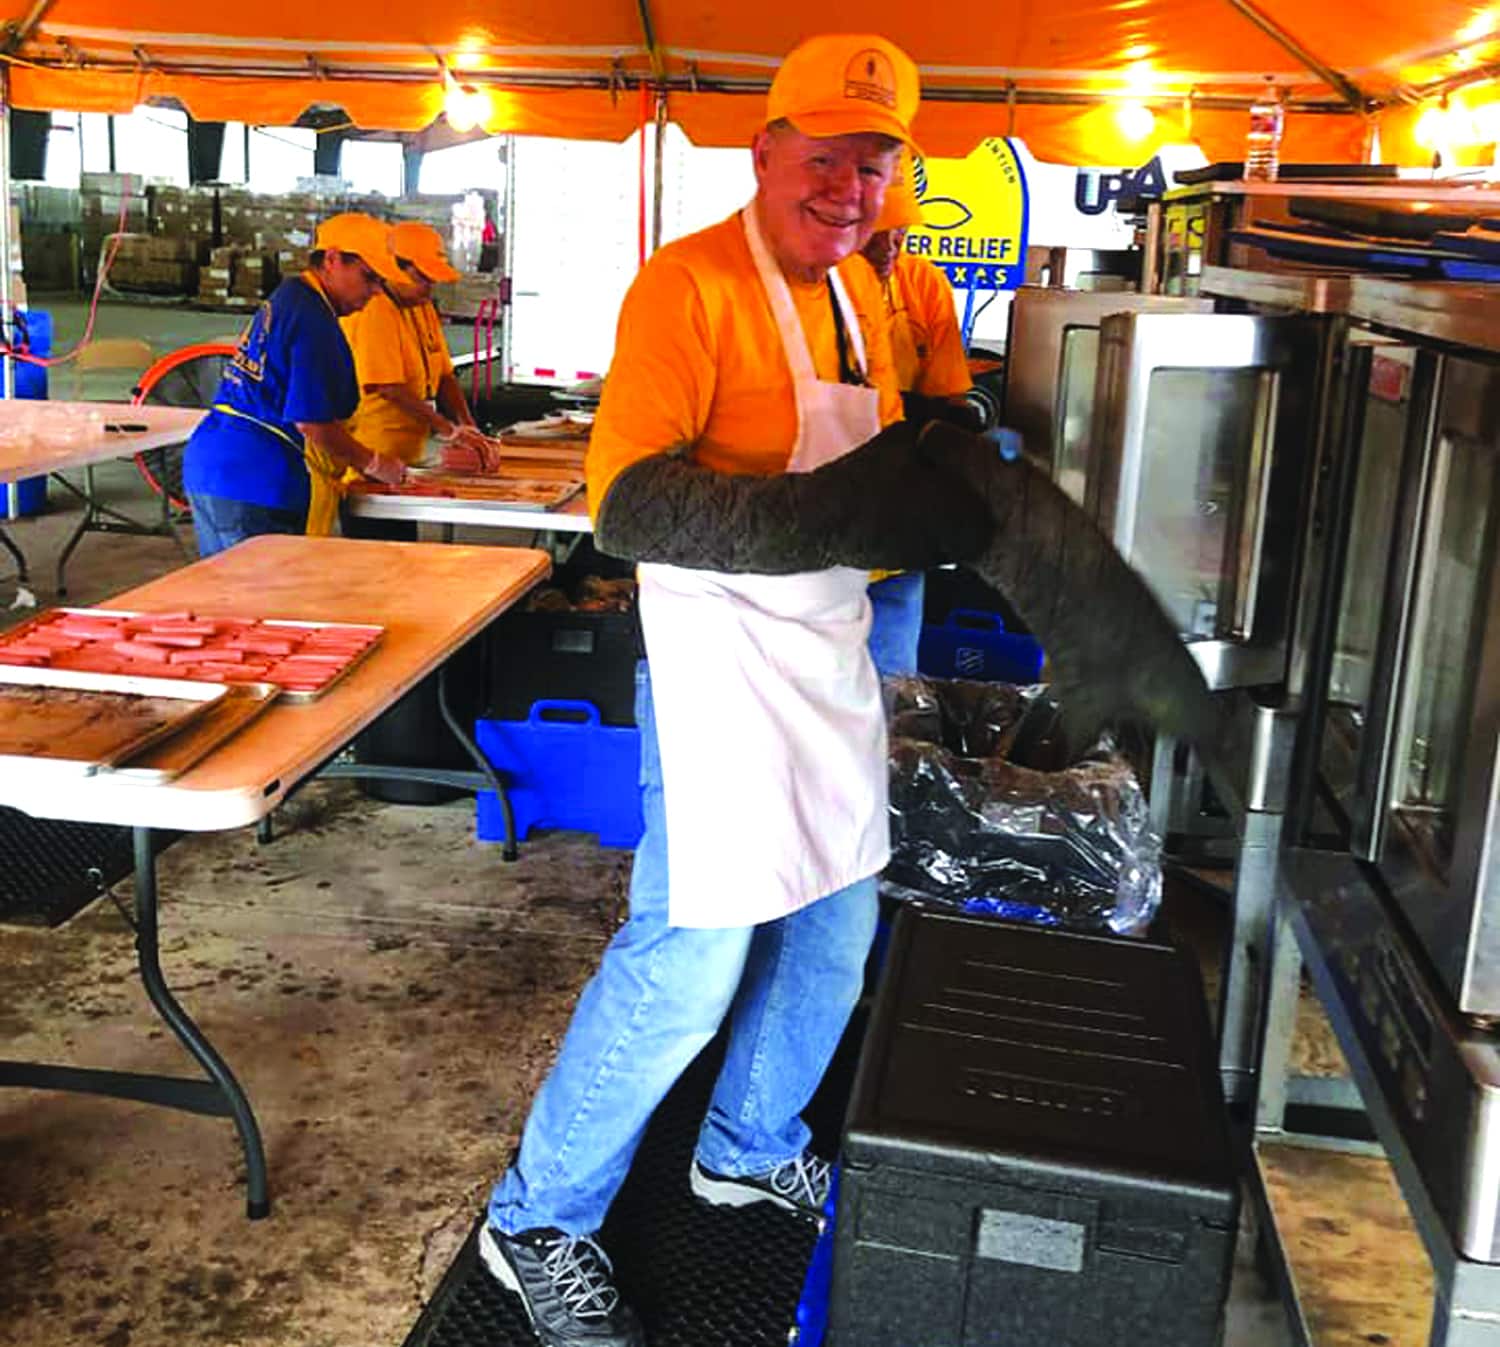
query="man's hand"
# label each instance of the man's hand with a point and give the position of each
(472, 438)
(384, 468)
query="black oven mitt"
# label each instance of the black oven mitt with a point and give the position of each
(890, 504)
(917, 496)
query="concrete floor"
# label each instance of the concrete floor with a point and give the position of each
(390, 993)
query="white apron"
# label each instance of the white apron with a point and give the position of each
(768, 708)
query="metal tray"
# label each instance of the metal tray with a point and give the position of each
(61, 728)
(474, 489)
(287, 694)
(170, 757)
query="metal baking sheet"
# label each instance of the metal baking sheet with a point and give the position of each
(515, 493)
(79, 723)
(171, 756)
(287, 694)
(300, 698)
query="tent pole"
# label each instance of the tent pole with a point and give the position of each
(661, 151)
(1335, 80)
(7, 279)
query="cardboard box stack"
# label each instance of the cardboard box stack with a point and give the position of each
(215, 278)
(153, 265)
(101, 197)
(226, 246)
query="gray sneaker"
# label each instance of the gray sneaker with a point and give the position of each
(566, 1284)
(798, 1185)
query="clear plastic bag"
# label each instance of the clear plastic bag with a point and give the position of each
(986, 818)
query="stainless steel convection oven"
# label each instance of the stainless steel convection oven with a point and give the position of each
(1389, 883)
(1308, 476)
(1195, 437)
(1052, 361)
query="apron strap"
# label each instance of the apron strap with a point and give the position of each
(227, 410)
(846, 325)
(849, 372)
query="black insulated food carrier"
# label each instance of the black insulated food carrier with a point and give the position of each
(1036, 1152)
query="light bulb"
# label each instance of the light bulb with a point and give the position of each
(1135, 120)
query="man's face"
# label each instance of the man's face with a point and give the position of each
(883, 249)
(819, 198)
(414, 287)
(348, 280)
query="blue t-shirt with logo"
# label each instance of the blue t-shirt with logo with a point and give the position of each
(293, 365)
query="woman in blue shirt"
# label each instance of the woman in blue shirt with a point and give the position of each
(281, 406)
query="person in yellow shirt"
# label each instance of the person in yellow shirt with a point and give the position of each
(933, 374)
(274, 444)
(926, 344)
(748, 455)
(408, 390)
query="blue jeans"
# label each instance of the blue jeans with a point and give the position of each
(661, 992)
(896, 622)
(219, 522)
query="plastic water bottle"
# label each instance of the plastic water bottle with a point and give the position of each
(1263, 138)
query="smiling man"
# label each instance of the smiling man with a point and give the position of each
(739, 456)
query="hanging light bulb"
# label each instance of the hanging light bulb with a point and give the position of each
(1431, 130)
(466, 106)
(1135, 120)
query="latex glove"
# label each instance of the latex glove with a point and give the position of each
(385, 468)
(472, 438)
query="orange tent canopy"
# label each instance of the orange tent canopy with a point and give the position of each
(1054, 73)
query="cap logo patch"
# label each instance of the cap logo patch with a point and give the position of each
(870, 76)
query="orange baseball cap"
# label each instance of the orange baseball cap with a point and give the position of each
(364, 236)
(900, 209)
(843, 83)
(422, 246)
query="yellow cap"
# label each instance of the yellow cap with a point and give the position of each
(422, 246)
(363, 235)
(900, 209)
(842, 83)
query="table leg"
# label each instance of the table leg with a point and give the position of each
(511, 851)
(257, 1200)
(84, 525)
(220, 1096)
(11, 546)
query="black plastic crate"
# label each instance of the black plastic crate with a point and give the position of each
(1037, 1149)
(563, 656)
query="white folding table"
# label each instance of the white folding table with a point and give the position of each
(430, 598)
(39, 438)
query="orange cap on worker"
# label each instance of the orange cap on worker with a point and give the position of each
(421, 246)
(841, 84)
(901, 209)
(360, 235)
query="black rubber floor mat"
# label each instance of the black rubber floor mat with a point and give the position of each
(698, 1276)
(50, 870)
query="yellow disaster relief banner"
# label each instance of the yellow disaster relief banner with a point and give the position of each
(974, 215)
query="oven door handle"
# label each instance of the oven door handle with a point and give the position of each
(1251, 535)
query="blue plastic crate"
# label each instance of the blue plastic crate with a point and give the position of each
(812, 1306)
(972, 644)
(564, 769)
(31, 331)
